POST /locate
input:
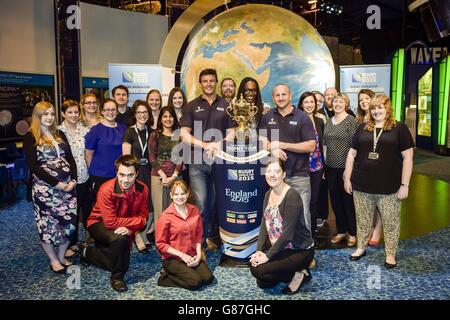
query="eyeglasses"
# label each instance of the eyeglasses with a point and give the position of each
(142, 113)
(250, 91)
(110, 110)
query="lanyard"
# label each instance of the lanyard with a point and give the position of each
(143, 146)
(376, 138)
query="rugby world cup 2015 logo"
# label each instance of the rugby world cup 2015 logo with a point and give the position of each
(135, 77)
(364, 77)
(241, 175)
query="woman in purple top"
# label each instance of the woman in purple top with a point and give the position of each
(104, 145)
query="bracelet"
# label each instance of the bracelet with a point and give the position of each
(404, 185)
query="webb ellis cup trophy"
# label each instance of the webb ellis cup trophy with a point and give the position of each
(240, 186)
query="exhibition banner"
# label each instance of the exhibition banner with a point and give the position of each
(376, 77)
(19, 93)
(97, 86)
(140, 79)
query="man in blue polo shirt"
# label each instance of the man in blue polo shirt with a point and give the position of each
(291, 137)
(204, 123)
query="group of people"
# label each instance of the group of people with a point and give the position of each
(121, 173)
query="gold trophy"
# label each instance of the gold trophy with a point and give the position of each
(244, 114)
(246, 136)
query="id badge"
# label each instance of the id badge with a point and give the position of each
(143, 161)
(373, 155)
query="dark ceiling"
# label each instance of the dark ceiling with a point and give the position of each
(399, 27)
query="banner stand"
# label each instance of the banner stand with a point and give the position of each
(240, 190)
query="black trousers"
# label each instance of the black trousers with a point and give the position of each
(341, 202)
(178, 274)
(282, 267)
(323, 199)
(83, 201)
(111, 252)
(316, 181)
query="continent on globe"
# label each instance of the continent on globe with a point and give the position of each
(268, 43)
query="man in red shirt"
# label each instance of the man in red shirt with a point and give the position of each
(119, 212)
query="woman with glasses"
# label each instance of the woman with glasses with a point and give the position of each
(154, 100)
(89, 111)
(104, 146)
(249, 89)
(135, 142)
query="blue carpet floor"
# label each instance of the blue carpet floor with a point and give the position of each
(423, 272)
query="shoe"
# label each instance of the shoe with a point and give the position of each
(337, 239)
(151, 237)
(388, 265)
(374, 243)
(82, 254)
(119, 285)
(144, 251)
(67, 263)
(351, 243)
(356, 258)
(70, 253)
(62, 271)
(320, 223)
(211, 246)
(305, 279)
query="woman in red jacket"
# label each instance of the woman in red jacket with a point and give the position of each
(178, 238)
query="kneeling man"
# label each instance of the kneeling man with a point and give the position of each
(120, 212)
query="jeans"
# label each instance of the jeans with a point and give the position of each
(202, 185)
(303, 186)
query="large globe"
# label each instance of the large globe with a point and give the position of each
(269, 43)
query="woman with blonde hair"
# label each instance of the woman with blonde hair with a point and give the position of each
(54, 175)
(89, 113)
(154, 100)
(364, 97)
(179, 240)
(338, 135)
(377, 171)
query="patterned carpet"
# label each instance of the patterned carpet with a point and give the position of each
(423, 272)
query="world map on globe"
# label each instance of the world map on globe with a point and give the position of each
(268, 43)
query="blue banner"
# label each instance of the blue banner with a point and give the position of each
(375, 77)
(138, 78)
(26, 79)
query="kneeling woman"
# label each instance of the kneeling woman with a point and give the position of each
(285, 247)
(178, 238)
